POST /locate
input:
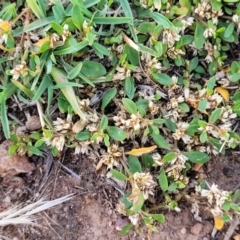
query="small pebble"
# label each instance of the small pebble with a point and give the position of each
(33, 123)
(183, 231)
(196, 228)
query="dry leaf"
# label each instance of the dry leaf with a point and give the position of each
(197, 166)
(218, 222)
(78, 126)
(193, 102)
(99, 166)
(140, 151)
(223, 92)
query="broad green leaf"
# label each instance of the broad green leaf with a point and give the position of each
(12, 149)
(159, 121)
(129, 87)
(202, 105)
(34, 150)
(77, 17)
(116, 133)
(160, 141)
(84, 135)
(193, 64)
(93, 69)
(169, 157)
(129, 105)
(126, 229)
(199, 39)
(118, 175)
(203, 137)
(103, 123)
(229, 30)
(163, 181)
(107, 97)
(134, 164)
(125, 201)
(235, 77)
(147, 160)
(184, 107)
(158, 217)
(197, 157)
(163, 79)
(146, 27)
(215, 115)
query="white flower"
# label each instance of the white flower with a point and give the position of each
(170, 37)
(215, 195)
(209, 32)
(134, 218)
(180, 132)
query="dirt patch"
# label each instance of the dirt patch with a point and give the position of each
(91, 215)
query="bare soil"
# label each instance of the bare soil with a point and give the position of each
(91, 214)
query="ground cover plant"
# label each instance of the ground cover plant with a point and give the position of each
(148, 88)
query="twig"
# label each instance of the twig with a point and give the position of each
(232, 227)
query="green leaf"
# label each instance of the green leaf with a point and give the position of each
(107, 97)
(184, 107)
(193, 64)
(197, 157)
(158, 121)
(146, 27)
(103, 123)
(118, 175)
(229, 30)
(162, 20)
(128, 13)
(84, 135)
(163, 79)
(116, 133)
(129, 87)
(34, 150)
(215, 115)
(129, 105)
(158, 217)
(93, 69)
(235, 77)
(126, 229)
(77, 17)
(199, 39)
(147, 160)
(203, 137)
(211, 84)
(100, 48)
(106, 140)
(75, 71)
(172, 187)
(169, 157)
(212, 68)
(137, 205)
(170, 125)
(134, 164)
(163, 181)
(71, 49)
(12, 149)
(160, 141)
(202, 105)
(125, 201)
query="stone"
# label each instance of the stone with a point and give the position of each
(33, 123)
(12, 165)
(196, 228)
